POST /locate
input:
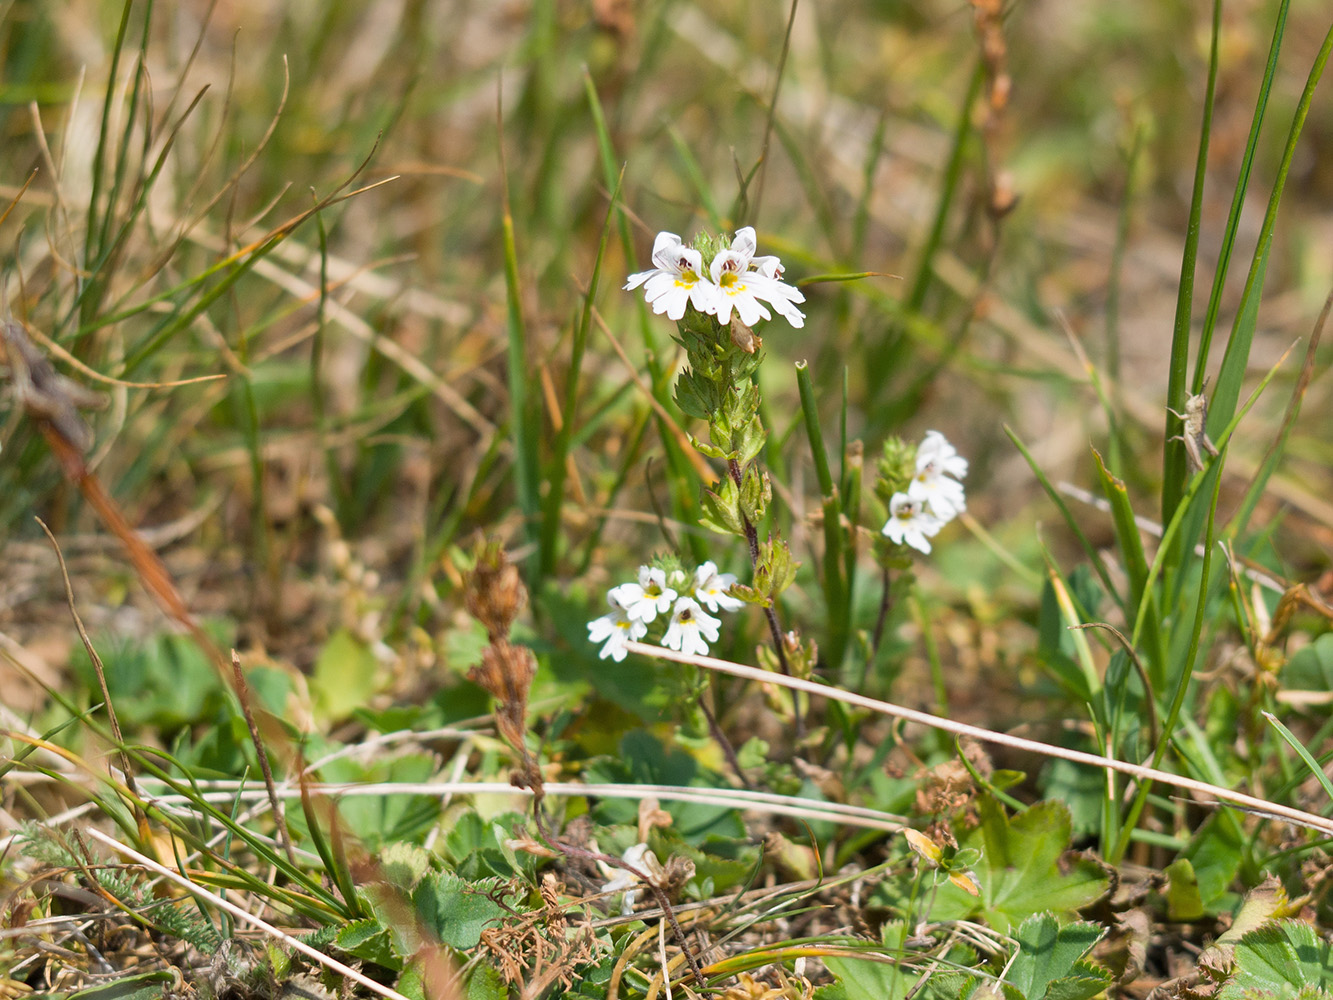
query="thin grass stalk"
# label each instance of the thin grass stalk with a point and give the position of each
(1273, 456)
(953, 173)
(1228, 795)
(1237, 203)
(555, 497)
(1237, 354)
(1094, 559)
(1173, 458)
(525, 458)
(1182, 683)
(1196, 484)
(91, 246)
(835, 594)
(1135, 561)
(1313, 766)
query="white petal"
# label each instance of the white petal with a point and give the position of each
(745, 243)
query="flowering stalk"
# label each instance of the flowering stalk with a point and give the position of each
(920, 487)
(715, 291)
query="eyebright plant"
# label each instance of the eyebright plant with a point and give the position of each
(923, 490)
(636, 604)
(714, 289)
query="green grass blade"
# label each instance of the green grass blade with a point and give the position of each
(1089, 550)
(1237, 203)
(1236, 358)
(91, 248)
(835, 597)
(1273, 457)
(555, 497)
(1181, 682)
(520, 426)
(1174, 469)
(1303, 753)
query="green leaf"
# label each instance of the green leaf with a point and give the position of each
(148, 986)
(344, 678)
(485, 984)
(1049, 954)
(704, 448)
(755, 494)
(1214, 852)
(370, 941)
(720, 508)
(1285, 958)
(1183, 901)
(1307, 678)
(696, 397)
(403, 864)
(454, 910)
(867, 979)
(1019, 868)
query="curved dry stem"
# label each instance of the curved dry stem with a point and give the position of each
(1240, 799)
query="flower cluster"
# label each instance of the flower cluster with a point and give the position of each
(933, 498)
(636, 605)
(734, 279)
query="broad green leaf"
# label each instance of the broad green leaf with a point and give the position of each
(148, 986)
(1214, 852)
(370, 941)
(1048, 953)
(403, 864)
(1307, 678)
(454, 910)
(344, 678)
(1183, 901)
(1285, 958)
(1019, 868)
(485, 984)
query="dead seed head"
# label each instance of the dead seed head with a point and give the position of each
(506, 672)
(494, 592)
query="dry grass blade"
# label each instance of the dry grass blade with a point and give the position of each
(1249, 802)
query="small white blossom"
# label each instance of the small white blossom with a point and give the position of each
(937, 456)
(936, 461)
(742, 279)
(690, 626)
(645, 599)
(911, 522)
(677, 279)
(710, 588)
(624, 881)
(615, 628)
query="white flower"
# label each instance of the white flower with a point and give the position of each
(677, 279)
(624, 881)
(936, 460)
(710, 588)
(690, 625)
(911, 522)
(741, 287)
(938, 457)
(615, 628)
(643, 600)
